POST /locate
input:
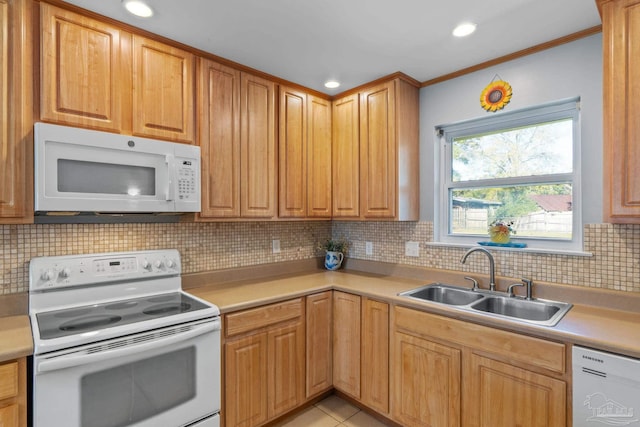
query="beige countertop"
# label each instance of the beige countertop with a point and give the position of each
(602, 328)
(607, 329)
(15, 337)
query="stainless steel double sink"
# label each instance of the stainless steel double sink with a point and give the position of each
(535, 311)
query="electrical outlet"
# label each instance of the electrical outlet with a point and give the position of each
(275, 245)
(368, 248)
(412, 249)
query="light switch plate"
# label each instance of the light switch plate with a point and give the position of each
(412, 249)
(368, 248)
(275, 245)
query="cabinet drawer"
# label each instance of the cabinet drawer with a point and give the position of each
(8, 380)
(525, 349)
(256, 318)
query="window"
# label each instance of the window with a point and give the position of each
(521, 167)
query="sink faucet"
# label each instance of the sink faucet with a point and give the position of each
(492, 265)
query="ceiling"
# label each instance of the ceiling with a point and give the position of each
(357, 41)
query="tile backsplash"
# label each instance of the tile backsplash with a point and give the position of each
(615, 263)
(202, 246)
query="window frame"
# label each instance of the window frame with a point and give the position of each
(445, 134)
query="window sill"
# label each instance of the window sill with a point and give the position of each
(525, 250)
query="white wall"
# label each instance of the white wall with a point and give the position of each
(566, 71)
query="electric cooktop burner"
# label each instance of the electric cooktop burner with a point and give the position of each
(60, 323)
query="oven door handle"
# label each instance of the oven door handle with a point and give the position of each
(63, 362)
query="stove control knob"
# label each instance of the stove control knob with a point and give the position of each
(48, 275)
(146, 265)
(65, 272)
(158, 264)
(171, 263)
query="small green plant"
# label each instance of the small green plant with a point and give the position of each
(334, 245)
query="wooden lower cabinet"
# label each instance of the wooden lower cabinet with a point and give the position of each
(427, 380)
(319, 316)
(246, 381)
(375, 355)
(346, 343)
(504, 395)
(264, 363)
(13, 393)
(448, 372)
(410, 366)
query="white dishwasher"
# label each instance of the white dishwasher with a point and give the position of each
(606, 389)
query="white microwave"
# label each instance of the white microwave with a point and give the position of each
(80, 170)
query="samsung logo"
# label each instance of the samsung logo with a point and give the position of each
(593, 359)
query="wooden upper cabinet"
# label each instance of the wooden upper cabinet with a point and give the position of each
(237, 136)
(292, 146)
(319, 171)
(346, 158)
(219, 122)
(163, 91)
(16, 112)
(97, 76)
(304, 155)
(621, 106)
(378, 152)
(257, 147)
(85, 71)
(375, 153)
(389, 160)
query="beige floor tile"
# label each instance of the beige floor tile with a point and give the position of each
(362, 419)
(337, 408)
(311, 417)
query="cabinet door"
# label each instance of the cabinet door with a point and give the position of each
(346, 343)
(16, 112)
(9, 416)
(345, 158)
(319, 349)
(378, 152)
(219, 121)
(292, 157)
(525, 398)
(319, 158)
(85, 71)
(163, 79)
(375, 355)
(246, 381)
(426, 386)
(621, 105)
(257, 148)
(286, 368)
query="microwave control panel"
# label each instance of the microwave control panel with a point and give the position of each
(188, 179)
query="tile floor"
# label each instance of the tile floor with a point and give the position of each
(331, 412)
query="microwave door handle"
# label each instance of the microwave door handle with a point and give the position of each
(171, 190)
(63, 362)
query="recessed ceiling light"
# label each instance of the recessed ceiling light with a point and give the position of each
(464, 29)
(332, 84)
(138, 8)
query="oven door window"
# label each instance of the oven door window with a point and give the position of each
(127, 394)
